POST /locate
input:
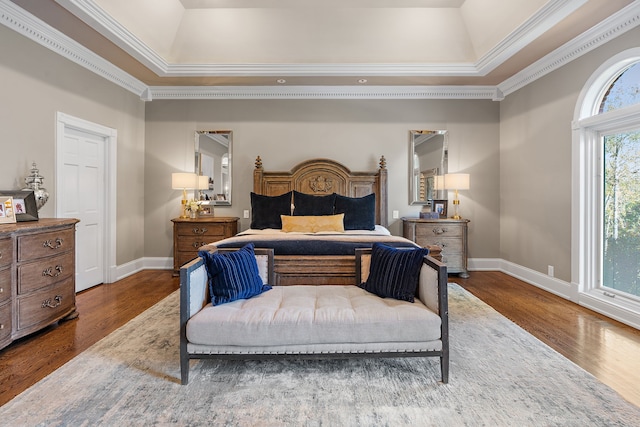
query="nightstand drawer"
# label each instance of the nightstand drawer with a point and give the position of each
(448, 245)
(201, 229)
(438, 230)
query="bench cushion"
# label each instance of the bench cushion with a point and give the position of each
(289, 315)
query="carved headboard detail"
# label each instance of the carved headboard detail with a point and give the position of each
(324, 176)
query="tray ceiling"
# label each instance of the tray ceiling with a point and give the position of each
(322, 42)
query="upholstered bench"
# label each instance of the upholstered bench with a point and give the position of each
(314, 321)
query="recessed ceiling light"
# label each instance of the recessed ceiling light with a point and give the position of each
(361, 81)
(281, 81)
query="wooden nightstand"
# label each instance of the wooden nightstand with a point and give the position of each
(189, 234)
(449, 234)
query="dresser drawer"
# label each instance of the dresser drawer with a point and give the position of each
(5, 285)
(6, 252)
(45, 244)
(45, 306)
(438, 230)
(45, 272)
(202, 229)
(5, 322)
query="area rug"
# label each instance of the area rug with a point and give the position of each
(500, 376)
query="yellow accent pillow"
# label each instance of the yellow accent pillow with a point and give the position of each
(313, 224)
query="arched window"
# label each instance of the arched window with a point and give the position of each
(606, 190)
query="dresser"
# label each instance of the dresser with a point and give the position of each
(448, 234)
(37, 276)
(191, 233)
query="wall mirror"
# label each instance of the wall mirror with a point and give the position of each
(213, 159)
(428, 155)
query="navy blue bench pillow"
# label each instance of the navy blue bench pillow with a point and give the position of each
(393, 272)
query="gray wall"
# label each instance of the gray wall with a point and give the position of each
(353, 132)
(535, 163)
(36, 83)
(518, 151)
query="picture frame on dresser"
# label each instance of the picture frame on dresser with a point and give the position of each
(24, 204)
(7, 215)
(440, 206)
(206, 208)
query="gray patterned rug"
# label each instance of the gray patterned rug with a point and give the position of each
(500, 376)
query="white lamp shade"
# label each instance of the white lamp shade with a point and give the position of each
(456, 181)
(184, 180)
(203, 182)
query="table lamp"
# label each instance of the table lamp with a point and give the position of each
(456, 181)
(184, 181)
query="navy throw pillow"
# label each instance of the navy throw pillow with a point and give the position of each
(359, 212)
(266, 210)
(233, 275)
(310, 205)
(394, 273)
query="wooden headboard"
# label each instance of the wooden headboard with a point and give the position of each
(322, 177)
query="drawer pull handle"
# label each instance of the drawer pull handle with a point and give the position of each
(49, 243)
(198, 244)
(199, 230)
(49, 271)
(439, 230)
(1, 326)
(48, 304)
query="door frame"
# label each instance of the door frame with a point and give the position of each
(110, 136)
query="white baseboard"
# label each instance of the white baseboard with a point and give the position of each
(140, 264)
(612, 309)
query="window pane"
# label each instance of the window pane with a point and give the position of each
(624, 91)
(621, 216)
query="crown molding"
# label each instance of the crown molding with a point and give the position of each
(545, 18)
(17, 19)
(617, 24)
(324, 92)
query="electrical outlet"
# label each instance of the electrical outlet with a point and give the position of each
(396, 214)
(246, 213)
(550, 270)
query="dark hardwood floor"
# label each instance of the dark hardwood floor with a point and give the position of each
(606, 348)
(102, 309)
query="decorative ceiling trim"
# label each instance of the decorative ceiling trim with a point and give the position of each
(550, 14)
(617, 24)
(324, 92)
(17, 19)
(544, 19)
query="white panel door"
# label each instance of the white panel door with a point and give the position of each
(82, 196)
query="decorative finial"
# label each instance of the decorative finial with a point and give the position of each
(258, 163)
(383, 162)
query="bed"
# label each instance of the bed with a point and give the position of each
(296, 214)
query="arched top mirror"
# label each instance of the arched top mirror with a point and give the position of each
(428, 159)
(213, 159)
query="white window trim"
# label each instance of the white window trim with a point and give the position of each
(587, 130)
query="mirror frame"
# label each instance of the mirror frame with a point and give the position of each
(216, 198)
(426, 176)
